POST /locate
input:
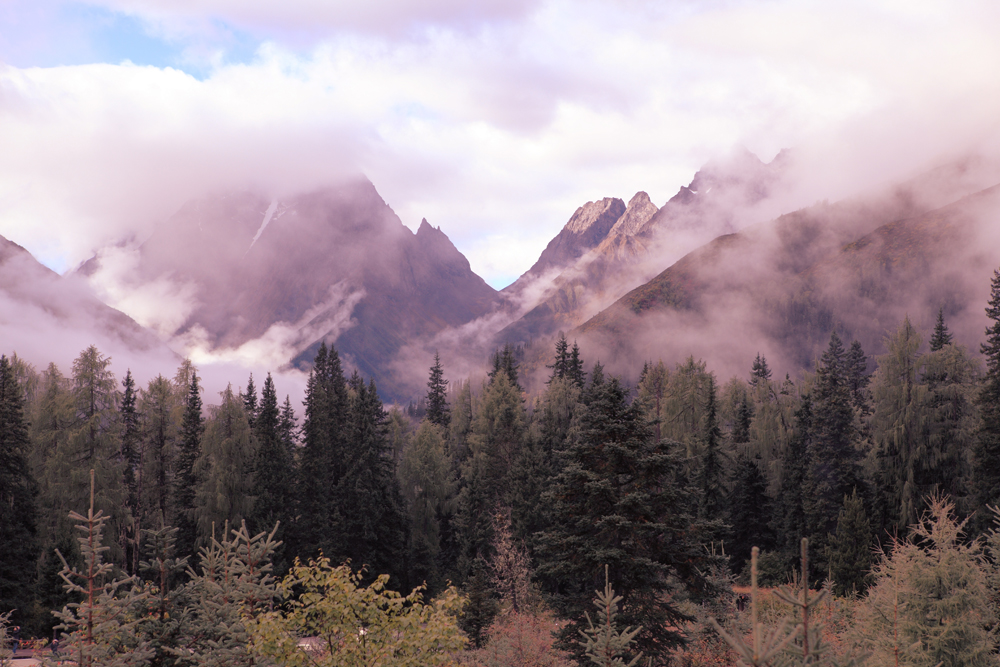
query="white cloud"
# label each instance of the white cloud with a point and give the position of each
(494, 124)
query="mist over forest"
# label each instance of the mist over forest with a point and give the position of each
(514, 334)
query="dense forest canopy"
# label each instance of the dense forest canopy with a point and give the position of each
(528, 504)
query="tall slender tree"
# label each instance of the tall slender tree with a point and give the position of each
(987, 448)
(273, 471)
(131, 460)
(437, 395)
(560, 364)
(250, 402)
(19, 546)
(189, 450)
(941, 336)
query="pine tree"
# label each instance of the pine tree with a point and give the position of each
(620, 500)
(941, 335)
(603, 643)
(19, 545)
(851, 548)
(652, 394)
(791, 523)
(250, 402)
(189, 451)
(437, 395)
(856, 367)
(273, 471)
(986, 455)
(288, 430)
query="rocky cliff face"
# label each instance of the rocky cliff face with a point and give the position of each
(335, 265)
(638, 243)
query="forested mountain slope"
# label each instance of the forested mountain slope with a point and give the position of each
(782, 287)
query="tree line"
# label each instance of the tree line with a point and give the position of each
(655, 486)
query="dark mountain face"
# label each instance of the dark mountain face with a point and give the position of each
(335, 265)
(780, 288)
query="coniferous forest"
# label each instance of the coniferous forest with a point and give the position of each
(850, 512)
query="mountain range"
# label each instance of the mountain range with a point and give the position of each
(720, 271)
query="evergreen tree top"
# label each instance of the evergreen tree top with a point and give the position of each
(437, 395)
(561, 365)
(504, 361)
(941, 335)
(759, 371)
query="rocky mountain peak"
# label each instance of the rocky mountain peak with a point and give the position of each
(640, 209)
(596, 213)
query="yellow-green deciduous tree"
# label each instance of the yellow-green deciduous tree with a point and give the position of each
(354, 625)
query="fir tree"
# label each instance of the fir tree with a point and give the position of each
(575, 370)
(437, 395)
(833, 460)
(158, 451)
(791, 523)
(851, 548)
(759, 371)
(130, 458)
(711, 474)
(189, 450)
(324, 457)
(19, 546)
(620, 500)
(941, 336)
(986, 454)
(560, 365)
(856, 370)
(504, 361)
(288, 428)
(250, 402)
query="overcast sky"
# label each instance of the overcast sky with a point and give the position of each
(493, 119)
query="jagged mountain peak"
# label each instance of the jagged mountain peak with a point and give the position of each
(593, 216)
(640, 209)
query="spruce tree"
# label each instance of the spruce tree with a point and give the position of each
(856, 368)
(986, 455)
(560, 365)
(19, 546)
(504, 361)
(130, 458)
(250, 402)
(159, 450)
(790, 522)
(189, 450)
(711, 474)
(851, 548)
(833, 460)
(575, 370)
(273, 471)
(941, 336)
(373, 520)
(621, 500)
(437, 395)
(749, 513)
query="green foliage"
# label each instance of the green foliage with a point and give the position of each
(986, 454)
(356, 625)
(621, 499)
(189, 451)
(749, 512)
(437, 395)
(941, 335)
(19, 545)
(604, 644)
(224, 468)
(931, 604)
(99, 630)
(426, 480)
(273, 468)
(851, 548)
